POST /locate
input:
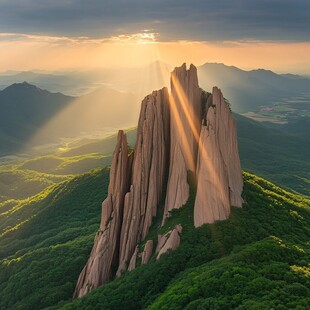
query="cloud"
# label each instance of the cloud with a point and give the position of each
(144, 37)
(201, 20)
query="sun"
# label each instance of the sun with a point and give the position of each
(143, 37)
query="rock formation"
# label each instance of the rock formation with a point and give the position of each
(188, 130)
(185, 122)
(132, 263)
(148, 172)
(219, 177)
(128, 210)
(169, 241)
(147, 252)
(105, 250)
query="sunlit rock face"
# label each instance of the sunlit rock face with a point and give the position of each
(148, 172)
(106, 245)
(186, 130)
(219, 177)
(147, 252)
(169, 241)
(185, 122)
(135, 190)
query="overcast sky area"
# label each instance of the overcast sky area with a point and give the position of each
(213, 23)
(201, 20)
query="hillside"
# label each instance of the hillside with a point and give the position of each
(271, 153)
(41, 258)
(23, 178)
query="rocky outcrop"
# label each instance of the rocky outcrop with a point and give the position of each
(185, 122)
(132, 263)
(188, 130)
(169, 241)
(219, 177)
(106, 245)
(147, 252)
(227, 136)
(148, 172)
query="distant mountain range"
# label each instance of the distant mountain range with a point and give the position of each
(30, 115)
(246, 90)
(140, 80)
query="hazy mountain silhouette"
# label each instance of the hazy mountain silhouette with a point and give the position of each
(30, 115)
(65, 82)
(24, 109)
(247, 90)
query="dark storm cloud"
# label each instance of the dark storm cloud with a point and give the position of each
(173, 19)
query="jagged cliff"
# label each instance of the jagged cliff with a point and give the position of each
(186, 107)
(188, 130)
(106, 245)
(219, 176)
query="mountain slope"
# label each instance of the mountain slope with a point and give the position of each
(49, 237)
(267, 240)
(271, 222)
(272, 154)
(230, 282)
(23, 178)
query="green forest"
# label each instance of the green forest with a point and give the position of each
(257, 259)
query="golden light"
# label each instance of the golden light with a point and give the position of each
(137, 38)
(187, 109)
(128, 50)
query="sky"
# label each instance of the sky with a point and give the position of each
(79, 34)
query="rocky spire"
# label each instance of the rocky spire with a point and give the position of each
(190, 130)
(128, 210)
(148, 172)
(219, 176)
(185, 122)
(106, 245)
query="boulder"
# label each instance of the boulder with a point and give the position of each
(170, 241)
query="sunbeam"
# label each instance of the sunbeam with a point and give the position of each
(188, 110)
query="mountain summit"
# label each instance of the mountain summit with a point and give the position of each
(186, 134)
